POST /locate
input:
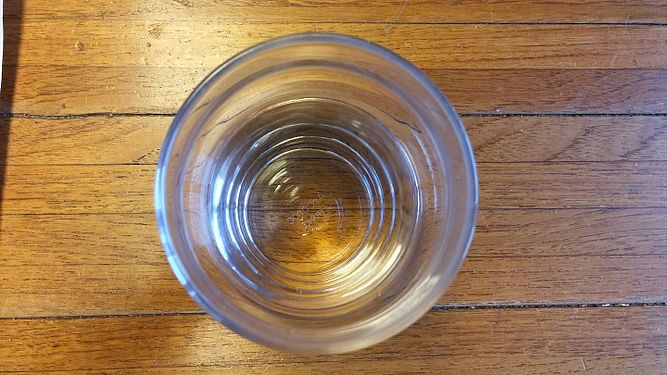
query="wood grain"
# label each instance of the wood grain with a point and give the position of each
(91, 140)
(64, 265)
(47, 291)
(573, 207)
(567, 139)
(61, 90)
(137, 140)
(569, 185)
(540, 247)
(78, 189)
(394, 11)
(86, 189)
(482, 68)
(465, 341)
(131, 67)
(208, 44)
(57, 240)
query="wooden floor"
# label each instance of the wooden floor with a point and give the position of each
(566, 106)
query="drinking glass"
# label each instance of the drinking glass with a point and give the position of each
(316, 193)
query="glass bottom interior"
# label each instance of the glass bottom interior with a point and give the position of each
(321, 210)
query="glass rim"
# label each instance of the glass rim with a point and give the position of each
(413, 313)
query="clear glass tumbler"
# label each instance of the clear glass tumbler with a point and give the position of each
(316, 193)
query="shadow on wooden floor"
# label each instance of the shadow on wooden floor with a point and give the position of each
(13, 19)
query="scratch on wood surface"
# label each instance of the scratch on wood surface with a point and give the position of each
(155, 30)
(79, 47)
(486, 224)
(156, 358)
(397, 18)
(109, 282)
(581, 95)
(242, 350)
(185, 3)
(583, 364)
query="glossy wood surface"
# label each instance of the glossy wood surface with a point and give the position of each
(566, 106)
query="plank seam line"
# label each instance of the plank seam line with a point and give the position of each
(103, 316)
(485, 208)
(443, 307)
(461, 114)
(482, 162)
(524, 306)
(501, 23)
(562, 114)
(337, 22)
(82, 115)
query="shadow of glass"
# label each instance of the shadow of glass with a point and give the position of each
(13, 16)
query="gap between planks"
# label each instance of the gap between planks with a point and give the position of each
(461, 114)
(439, 307)
(480, 209)
(627, 23)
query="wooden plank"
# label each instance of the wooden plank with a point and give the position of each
(557, 91)
(80, 240)
(555, 280)
(64, 265)
(74, 90)
(56, 240)
(463, 341)
(64, 90)
(561, 138)
(101, 289)
(77, 189)
(572, 185)
(570, 233)
(565, 67)
(394, 11)
(66, 189)
(90, 140)
(44, 291)
(386, 367)
(207, 44)
(137, 140)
